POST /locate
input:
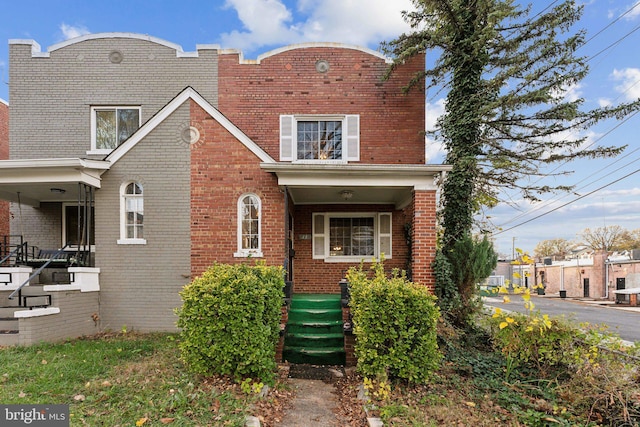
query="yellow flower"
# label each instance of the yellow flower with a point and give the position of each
(506, 299)
(497, 312)
(141, 421)
(503, 325)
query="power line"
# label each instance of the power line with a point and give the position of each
(568, 203)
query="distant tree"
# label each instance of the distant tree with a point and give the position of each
(629, 240)
(552, 247)
(605, 238)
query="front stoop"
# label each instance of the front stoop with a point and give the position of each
(314, 332)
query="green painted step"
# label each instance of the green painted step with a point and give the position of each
(315, 301)
(296, 314)
(314, 331)
(319, 340)
(314, 356)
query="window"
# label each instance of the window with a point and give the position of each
(320, 138)
(249, 227)
(351, 236)
(111, 126)
(70, 225)
(132, 214)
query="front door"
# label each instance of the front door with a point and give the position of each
(620, 285)
(585, 288)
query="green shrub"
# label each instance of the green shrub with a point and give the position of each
(230, 321)
(394, 323)
(532, 338)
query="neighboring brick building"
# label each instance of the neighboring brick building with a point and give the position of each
(167, 161)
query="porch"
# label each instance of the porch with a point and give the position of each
(49, 285)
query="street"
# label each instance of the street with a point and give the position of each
(621, 319)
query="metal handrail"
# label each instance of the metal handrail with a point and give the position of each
(20, 251)
(38, 271)
(12, 253)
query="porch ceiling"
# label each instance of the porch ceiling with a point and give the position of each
(312, 183)
(31, 181)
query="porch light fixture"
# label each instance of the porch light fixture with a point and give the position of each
(58, 190)
(346, 194)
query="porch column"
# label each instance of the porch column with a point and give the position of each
(424, 237)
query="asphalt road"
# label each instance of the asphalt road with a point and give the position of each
(621, 321)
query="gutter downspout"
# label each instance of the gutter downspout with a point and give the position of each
(606, 280)
(562, 277)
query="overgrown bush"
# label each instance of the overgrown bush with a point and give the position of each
(458, 270)
(602, 383)
(394, 323)
(230, 321)
(534, 339)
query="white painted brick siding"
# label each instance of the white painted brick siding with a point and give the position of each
(51, 98)
(140, 283)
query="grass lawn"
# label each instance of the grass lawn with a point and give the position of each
(118, 380)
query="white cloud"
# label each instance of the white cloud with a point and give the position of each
(72, 31)
(434, 150)
(604, 102)
(629, 85)
(635, 13)
(359, 22)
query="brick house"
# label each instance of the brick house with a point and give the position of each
(135, 165)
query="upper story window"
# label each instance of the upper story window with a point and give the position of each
(249, 227)
(350, 237)
(320, 138)
(131, 214)
(111, 126)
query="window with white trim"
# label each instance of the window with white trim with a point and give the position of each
(249, 226)
(131, 214)
(351, 236)
(320, 138)
(111, 126)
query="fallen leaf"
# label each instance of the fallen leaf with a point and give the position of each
(106, 384)
(141, 421)
(166, 420)
(79, 397)
(22, 394)
(470, 404)
(44, 362)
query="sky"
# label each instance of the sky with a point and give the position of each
(606, 192)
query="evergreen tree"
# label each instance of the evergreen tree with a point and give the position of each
(505, 73)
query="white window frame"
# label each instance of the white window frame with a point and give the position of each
(350, 137)
(94, 125)
(64, 227)
(321, 238)
(124, 240)
(242, 252)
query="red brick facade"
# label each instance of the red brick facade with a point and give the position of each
(222, 170)
(253, 96)
(316, 275)
(424, 237)
(4, 154)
